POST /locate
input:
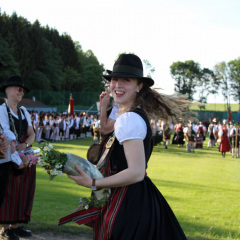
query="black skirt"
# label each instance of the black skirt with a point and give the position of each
(145, 214)
(5, 169)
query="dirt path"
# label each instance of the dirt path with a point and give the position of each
(54, 236)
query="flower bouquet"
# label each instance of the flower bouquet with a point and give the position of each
(57, 163)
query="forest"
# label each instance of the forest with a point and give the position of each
(45, 59)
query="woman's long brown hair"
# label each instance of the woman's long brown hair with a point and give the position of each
(170, 108)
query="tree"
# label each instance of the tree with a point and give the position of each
(148, 68)
(222, 73)
(69, 78)
(187, 75)
(91, 71)
(45, 59)
(8, 65)
(234, 69)
(207, 84)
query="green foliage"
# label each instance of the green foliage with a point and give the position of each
(45, 59)
(8, 66)
(38, 80)
(191, 78)
(186, 75)
(222, 72)
(148, 68)
(86, 202)
(51, 159)
(69, 78)
(91, 78)
(234, 67)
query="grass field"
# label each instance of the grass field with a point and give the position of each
(217, 107)
(202, 189)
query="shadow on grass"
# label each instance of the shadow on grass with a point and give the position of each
(197, 231)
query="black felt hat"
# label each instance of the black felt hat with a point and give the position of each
(13, 81)
(128, 66)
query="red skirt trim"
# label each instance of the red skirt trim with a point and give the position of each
(18, 201)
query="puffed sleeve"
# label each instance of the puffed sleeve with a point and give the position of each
(130, 126)
(8, 133)
(4, 115)
(115, 112)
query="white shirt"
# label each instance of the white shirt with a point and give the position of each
(234, 130)
(115, 112)
(130, 126)
(4, 115)
(6, 126)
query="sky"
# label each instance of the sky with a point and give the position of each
(161, 31)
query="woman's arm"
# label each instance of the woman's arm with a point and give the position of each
(135, 155)
(107, 124)
(29, 140)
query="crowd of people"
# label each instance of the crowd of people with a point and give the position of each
(225, 135)
(63, 127)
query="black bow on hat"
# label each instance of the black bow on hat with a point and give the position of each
(13, 81)
(128, 66)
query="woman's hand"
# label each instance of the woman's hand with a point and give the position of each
(104, 99)
(83, 179)
(21, 146)
(24, 160)
(21, 166)
(4, 143)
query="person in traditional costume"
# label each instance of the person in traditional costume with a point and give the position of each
(235, 137)
(135, 209)
(55, 130)
(190, 134)
(211, 131)
(47, 127)
(225, 145)
(167, 132)
(8, 157)
(18, 201)
(180, 134)
(39, 129)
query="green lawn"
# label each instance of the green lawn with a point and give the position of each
(217, 107)
(202, 188)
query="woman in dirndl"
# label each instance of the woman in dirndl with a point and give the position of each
(55, 130)
(18, 201)
(180, 135)
(225, 144)
(135, 209)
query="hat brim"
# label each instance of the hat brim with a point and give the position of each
(2, 89)
(149, 81)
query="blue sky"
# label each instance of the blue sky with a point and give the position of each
(162, 31)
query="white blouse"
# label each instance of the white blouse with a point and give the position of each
(115, 112)
(4, 115)
(9, 134)
(130, 125)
